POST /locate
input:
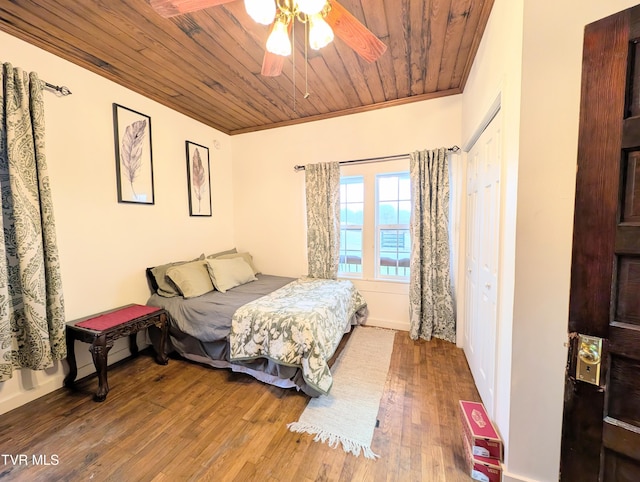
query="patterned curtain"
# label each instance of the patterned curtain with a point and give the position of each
(322, 182)
(31, 303)
(431, 303)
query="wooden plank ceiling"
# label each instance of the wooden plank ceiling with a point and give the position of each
(207, 64)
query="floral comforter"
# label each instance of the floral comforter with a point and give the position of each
(300, 324)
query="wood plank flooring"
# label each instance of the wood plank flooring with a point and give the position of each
(184, 421)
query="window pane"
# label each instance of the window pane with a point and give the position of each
(353, 239)
(405, 187)
(355, 192)
(393, 215)
(388, 213)
(388, 188)
(350, 251)
(395, 252)
(354, 214)
(351, 219)
(404, 215)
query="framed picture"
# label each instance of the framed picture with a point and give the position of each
(198, 179)
(134, 160)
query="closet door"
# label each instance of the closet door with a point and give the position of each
(481, 259)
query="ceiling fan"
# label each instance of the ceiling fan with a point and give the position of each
(324, 18)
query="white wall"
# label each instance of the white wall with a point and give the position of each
(105, 246)
(269, 194)
(495, 78)
(541, 156)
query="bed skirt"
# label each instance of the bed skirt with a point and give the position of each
(216, 354)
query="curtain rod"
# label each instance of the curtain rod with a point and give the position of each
(375, 159)
(62, 90)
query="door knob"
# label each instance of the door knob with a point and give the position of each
(589, 359)
(589, 353)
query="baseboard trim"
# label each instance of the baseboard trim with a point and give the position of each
(25, 397)
(389, 324)
(55, 382)
(506, 477)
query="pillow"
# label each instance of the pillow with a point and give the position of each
(164, 286)
(192, 279)
(246, 256)
(222, 253)
(228, 273)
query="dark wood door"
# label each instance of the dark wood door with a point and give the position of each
(601, 426)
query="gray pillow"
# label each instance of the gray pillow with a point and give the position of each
(222, 253)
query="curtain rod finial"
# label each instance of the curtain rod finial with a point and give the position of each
(59, 90)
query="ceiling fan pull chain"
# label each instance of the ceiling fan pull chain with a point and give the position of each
(293, 61)
(306, 60)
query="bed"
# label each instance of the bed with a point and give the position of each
(280, 330)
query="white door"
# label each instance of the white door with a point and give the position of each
(481, 258)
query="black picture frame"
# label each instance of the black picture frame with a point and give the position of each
(198, 179)
(134, 156)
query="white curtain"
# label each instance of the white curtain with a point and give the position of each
(322, 185)
(430, 299)
(31, 302)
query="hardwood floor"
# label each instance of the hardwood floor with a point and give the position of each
(188, 422)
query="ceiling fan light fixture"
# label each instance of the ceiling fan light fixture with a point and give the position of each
(261, 11)
(311, 7)
(320, 33)
(278, 42)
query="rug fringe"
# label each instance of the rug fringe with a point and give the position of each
(333, 440)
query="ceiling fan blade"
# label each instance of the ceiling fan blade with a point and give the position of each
(354, 33)
(272, 64)
(171, 8)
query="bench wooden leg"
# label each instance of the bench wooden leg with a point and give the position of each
(133, 345)
(70, 379)
(99, 351)
(161, 351)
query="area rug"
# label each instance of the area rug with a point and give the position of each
(347, 416)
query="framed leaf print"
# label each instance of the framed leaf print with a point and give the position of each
(134, 160)
(198, 179)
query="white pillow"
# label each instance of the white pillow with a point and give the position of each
(228, 273)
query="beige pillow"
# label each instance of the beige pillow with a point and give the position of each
(192, 279)
(228, 273)
(246, 256)
(165, 287)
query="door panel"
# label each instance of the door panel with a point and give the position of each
(471, 262)
(601, 426)
(482, 247)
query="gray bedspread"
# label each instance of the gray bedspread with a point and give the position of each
(208, 317)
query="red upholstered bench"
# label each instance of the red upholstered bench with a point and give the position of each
(103, 328)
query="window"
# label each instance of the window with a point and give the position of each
(351, 220)
(375, 211)
(393, 213)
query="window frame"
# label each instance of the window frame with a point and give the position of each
(351, 274)
(379, 228)
(369, 241)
